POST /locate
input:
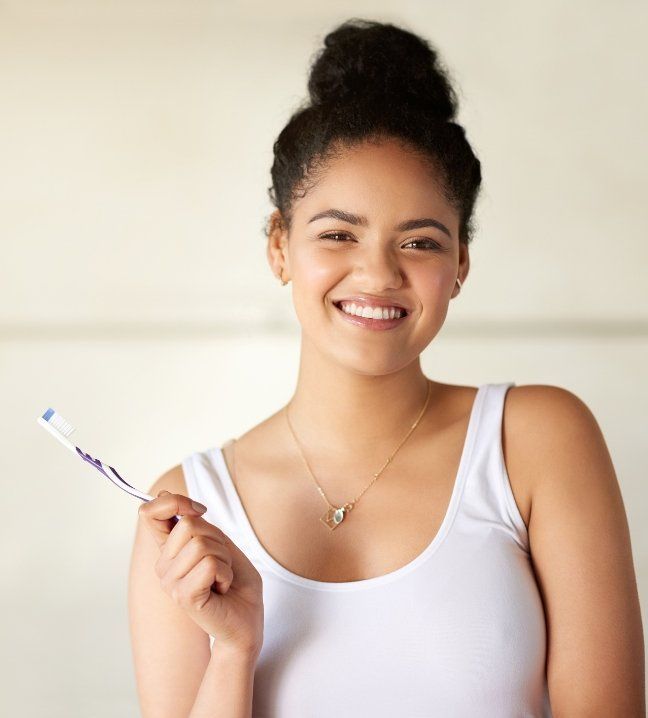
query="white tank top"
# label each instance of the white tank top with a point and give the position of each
(457, 632)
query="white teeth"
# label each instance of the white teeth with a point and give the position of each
(371, 312)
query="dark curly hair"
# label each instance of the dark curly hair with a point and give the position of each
(374, 81)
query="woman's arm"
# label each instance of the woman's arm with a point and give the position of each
(226, 688)
(170, 652)
(581, 551)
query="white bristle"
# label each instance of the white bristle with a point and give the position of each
(60, 424)
(58, 427)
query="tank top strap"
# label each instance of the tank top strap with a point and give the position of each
(488, 496)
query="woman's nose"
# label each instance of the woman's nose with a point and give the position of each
(379, 267)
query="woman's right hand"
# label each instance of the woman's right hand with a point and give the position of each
(206, 574)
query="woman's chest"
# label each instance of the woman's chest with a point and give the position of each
(463, 630)
(389, 526)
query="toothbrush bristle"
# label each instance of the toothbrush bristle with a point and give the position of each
(58, 422)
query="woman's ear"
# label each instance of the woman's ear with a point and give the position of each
(276, 247)
(462, 269)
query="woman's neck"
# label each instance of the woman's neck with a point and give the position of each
(336, 408)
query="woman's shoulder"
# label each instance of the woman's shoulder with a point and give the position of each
(525, 397)
(544, 423)
(545, 408)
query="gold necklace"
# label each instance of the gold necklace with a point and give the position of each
(336, 514)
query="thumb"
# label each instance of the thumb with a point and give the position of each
(160, 513)
(200, 508)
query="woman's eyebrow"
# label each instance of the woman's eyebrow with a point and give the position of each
(405, 226)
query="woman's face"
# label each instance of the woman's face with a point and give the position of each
(362, 251)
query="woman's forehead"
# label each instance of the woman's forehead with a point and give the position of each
(370, 188)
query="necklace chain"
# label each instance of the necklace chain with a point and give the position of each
(336, 514)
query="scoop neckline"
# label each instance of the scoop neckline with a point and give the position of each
(218, 458)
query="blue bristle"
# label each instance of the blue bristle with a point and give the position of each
(48, 414)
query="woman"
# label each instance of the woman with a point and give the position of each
(386, 544)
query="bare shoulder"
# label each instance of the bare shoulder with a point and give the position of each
(545, 423)
(581, 551)
(530, 402)
(172, 480)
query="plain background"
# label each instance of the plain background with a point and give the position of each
(136, 299)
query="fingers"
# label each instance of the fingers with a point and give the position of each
(188, 528)
(159, 513)
(210, 571)
(172, 537)
(207, 554)
(193, 590)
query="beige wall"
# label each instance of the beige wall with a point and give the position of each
(135, 297)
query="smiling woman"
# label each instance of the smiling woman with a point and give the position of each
(375, 230)
(386, 544)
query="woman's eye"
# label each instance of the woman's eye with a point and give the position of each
(424, 243)
(332, 235)
(429, 243)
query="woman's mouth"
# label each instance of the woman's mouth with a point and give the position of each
(371, 322)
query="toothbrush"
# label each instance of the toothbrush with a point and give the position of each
(61, 429)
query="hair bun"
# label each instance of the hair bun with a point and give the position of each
(372, 62)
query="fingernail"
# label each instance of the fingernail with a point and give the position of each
(163, 492)
(198, 507)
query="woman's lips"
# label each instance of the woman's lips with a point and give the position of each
(373, 324)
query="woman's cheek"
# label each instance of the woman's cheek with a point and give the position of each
(316, 272)
(433, 286)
